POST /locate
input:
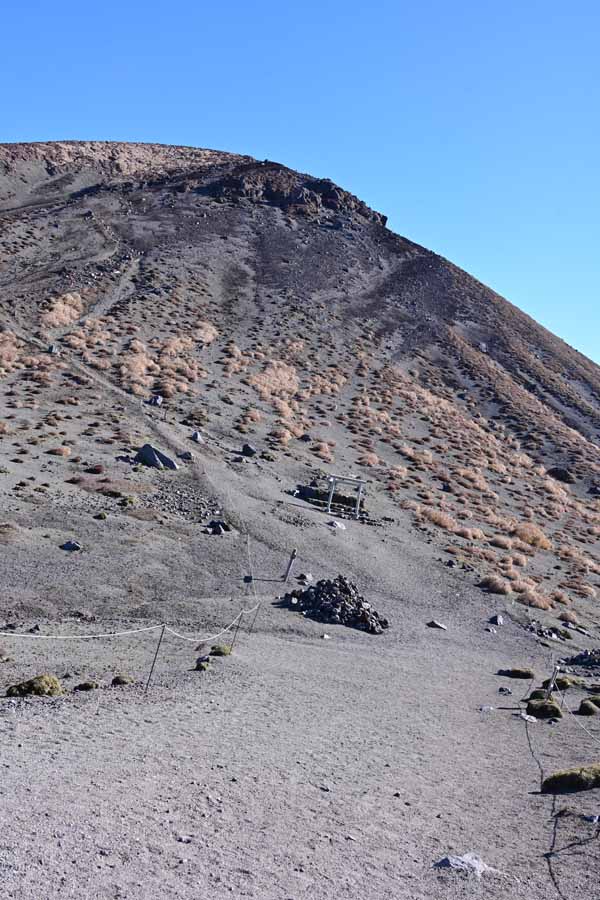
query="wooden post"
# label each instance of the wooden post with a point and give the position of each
(155, 658)
(293, 556)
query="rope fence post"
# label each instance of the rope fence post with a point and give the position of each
(251, 629)
(162, 633)
(288, 571)
(550, 687)
(237, 628)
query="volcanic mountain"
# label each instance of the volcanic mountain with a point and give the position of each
(150, 293)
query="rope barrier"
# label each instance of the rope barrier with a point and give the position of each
(589, 733)
(78, 637)
(111, 634)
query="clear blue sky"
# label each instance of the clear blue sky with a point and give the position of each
(474, 126)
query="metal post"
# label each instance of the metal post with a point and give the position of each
(293, 556)
(237, 627)
(550, 687)
(358, 499)
(251, 629)
(155, 658)
(331, 490)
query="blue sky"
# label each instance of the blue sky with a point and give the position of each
(474, 126)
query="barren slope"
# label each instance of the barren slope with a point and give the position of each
(267, 306)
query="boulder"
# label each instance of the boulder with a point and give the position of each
(150, 456)
(249, 450)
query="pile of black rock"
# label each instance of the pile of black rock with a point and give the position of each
(589, 658)
(338, 602)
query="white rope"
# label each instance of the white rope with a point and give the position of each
(78, 637)
(110, 634)
(589, 733)
(203, 638)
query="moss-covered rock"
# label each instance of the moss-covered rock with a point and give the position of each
(202, 663)
(517, 673)
(40, 686)
(587, 708)
(538, 694)
(563, 682)
(220, 650)
(568, 781)
(120, 680)
(544, 709)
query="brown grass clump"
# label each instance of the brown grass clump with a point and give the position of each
(323, 451)
(62, 311)
(584, 778)
(499, 540)
(440, 518)
(529, 597)
(10, 348)
(369, 460)
(59, 451)
(470, 534)
(205, 332)
(569, 616)
(532, 535)
(493, 584)
(277, 379)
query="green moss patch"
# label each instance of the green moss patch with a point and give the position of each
(568, 781)
(544, 709)
(517, 673)
(40, 686)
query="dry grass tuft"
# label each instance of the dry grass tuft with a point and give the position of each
(493, 584)
(278, 379)
(62, 311)
(532, 535)
(60, 451)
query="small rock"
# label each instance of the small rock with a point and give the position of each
(249, 450)
(497, 620)
(468, 862)
(435, 624)
(120, 680)
(86, 686)
(71, 546)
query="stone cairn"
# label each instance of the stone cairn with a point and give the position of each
(338, 602)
